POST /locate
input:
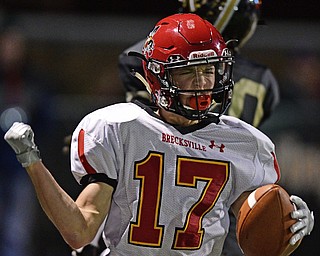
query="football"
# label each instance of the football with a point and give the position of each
(263, 225)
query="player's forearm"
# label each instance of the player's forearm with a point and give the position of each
(58, 205)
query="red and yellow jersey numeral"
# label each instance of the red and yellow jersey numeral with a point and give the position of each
(147, 231)
(189, 172)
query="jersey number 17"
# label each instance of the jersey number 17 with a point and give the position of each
(147, 231)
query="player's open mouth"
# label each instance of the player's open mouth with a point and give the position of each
(201, 102)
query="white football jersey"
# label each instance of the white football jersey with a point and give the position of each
(174, 185)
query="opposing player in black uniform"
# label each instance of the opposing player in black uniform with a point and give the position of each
(255, 93)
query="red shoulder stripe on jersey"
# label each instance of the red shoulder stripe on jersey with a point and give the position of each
(89, 169)
(276, 165)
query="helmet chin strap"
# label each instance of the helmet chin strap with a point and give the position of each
(201, 102)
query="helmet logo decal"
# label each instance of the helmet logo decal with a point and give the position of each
(148, 46)
(202, 54)
(175, 58)
(191, 24)
(226, 52)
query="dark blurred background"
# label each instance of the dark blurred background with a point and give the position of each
(70, 53)
(282, 9)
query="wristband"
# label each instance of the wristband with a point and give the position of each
(29, 157)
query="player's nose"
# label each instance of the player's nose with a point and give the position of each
(200, 81)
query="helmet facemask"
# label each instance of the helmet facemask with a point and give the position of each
(194, 88)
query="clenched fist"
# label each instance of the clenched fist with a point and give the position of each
(21, 138)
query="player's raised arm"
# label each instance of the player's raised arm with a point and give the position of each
(77, 221)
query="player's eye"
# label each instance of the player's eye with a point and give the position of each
(185, 71)
(209, 71)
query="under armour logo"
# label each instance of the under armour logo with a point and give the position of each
(213, 145)
(174, 58)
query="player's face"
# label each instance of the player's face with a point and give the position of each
(201, 77)
(194, 77)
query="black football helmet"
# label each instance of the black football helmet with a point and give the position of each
(235, 19)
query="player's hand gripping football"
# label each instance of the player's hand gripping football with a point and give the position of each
(304, 217)
(21, 138)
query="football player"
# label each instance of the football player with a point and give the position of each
(165, 179)
(255, 93)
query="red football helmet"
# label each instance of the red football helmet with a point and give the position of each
(185, 45)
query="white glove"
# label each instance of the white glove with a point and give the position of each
(305, 218)
(21, 138)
